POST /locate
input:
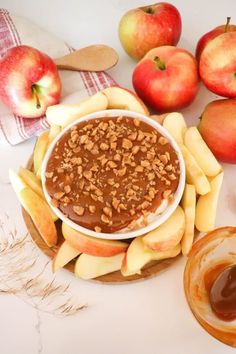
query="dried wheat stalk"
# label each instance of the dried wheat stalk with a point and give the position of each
(25, 274)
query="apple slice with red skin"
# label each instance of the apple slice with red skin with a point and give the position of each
(90, 267)
(64, 114)
(166, 78)
(121, 98)
(64, 255)
(138, 255)
(92, 245)
(36, 207)
(40, 215)
(29, 81)
(167, 235)
(207, 37)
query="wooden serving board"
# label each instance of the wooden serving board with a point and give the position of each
(150, 270)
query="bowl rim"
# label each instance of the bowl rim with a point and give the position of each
(158, 219)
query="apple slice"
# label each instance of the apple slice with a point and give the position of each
(17, 182)
(201, 152)
(39, 151)
(194, 173)
(90, 267)
(189, 205)
(32, 181)
(92, 245)
(64, 255)
(207, 206)
(176, 126)
(64, 114)
(53, 132)
(168, 234)
(37, 208)
(122, 98)
(159, 118)
(138, 255)
(38, 211)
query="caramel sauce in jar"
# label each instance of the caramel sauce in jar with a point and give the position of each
(222, 294)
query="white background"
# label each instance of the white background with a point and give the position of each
(146, 317)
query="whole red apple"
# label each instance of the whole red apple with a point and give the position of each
(166, 78)
(149, 27)
(218, 129)
(206, 38)
(29, 81)
(217, 65)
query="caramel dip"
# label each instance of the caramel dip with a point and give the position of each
(111, 174)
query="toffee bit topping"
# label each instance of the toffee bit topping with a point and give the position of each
(49, 174)
(79, 210)
(92, 209)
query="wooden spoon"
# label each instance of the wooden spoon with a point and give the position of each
(93, 58)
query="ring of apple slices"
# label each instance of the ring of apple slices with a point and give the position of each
(119, 261)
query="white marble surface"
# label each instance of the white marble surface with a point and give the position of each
(146, 317)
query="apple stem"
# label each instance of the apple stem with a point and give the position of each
(227, 23)
(159, 63)
(149, 10)
(38, 105)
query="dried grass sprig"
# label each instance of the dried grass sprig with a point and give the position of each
(25, 273)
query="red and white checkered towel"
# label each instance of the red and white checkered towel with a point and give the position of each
(15, 30)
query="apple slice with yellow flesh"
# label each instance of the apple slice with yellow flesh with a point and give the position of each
(168, 234)
(194, 173)
(34, 183)
(90, 267)
(40, 151)
(36, 207)
(175, 124)
(92, 245)
(64, 114)
(201, 152)
(40, 215)
(138, 255)
(189, 206)
(121, 98)
(207, 206)
(53, 132)
(159, 118)
(64, 255)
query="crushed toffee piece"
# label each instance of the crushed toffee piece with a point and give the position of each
(109, 172)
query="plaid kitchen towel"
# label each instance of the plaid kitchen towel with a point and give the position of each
(15, 30)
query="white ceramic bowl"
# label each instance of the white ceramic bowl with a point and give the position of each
(158, 219)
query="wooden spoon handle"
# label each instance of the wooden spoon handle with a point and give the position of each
(92, 58)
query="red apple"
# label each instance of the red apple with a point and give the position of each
(166, 78)
(206, 38)
(218, 129)
(149, 27)
(29, 81)
(217, 65)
